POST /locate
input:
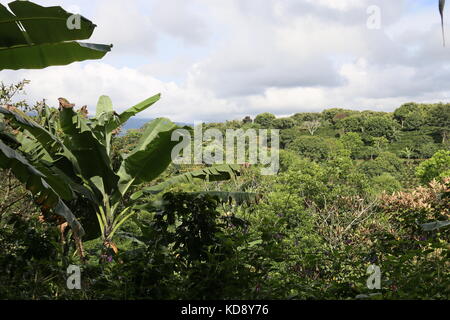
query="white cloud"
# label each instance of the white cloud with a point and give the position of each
(83, 84)
(281, 56)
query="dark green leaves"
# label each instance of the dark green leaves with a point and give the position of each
(215, 173)
(127, 114)
(50, 54)
(48, 24)
(35, 37)
(91, 154)
(151, 156)
(35, 181)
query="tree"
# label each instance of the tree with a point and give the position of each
(436, 167)
(306, 116)
(247, 119)
(311, 126)
(386, 162)
(411, 115)
(380, 143)
(333, 115)
(316, 148)
(401, 113)
(351, 124)
(380, 126)
(35, 37)
(352, 141)
(265, 120)
(408, 152)
(283, 123)
(439, 117)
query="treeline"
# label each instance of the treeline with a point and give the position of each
(413, 131)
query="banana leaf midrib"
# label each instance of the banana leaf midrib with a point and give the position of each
(48, 43)
(17, 19)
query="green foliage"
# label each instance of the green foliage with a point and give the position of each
(316, 148)
(436, 167)
(336, 114)
(352, 141)
(306, 116)
(43, 38)
(353, 123)
(265, 120)
(386, 162)
(385, 183)
(412, 116)
(281, 123)
(380, 126)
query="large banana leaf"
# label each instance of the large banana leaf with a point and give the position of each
(50, 54)
(151, 156)
(107, 118)
(47, 139)
(54, 148)
(127, 114)
(8, 138)
(92, 156)
(35, 181)
(104, 106)
(215, 173)
(48, 154)
(34, 37)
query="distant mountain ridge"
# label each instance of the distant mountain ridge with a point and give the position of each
(137, 123)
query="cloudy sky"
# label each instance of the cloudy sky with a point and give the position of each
(215, 60)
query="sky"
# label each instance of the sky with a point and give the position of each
(216, 60)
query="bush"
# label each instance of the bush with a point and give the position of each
(316, 148)
(436, 167)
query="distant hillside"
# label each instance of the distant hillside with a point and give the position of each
(137, 123)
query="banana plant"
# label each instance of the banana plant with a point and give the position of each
(67, 160)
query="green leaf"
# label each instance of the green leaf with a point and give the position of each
(104, 105)
(91, 154)
(107, 120)
(50, 54)
(34, 37)
(215, 173)
(151, 156)
(35, 181)
(44, 24)
(127, 114)
(54, 148)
